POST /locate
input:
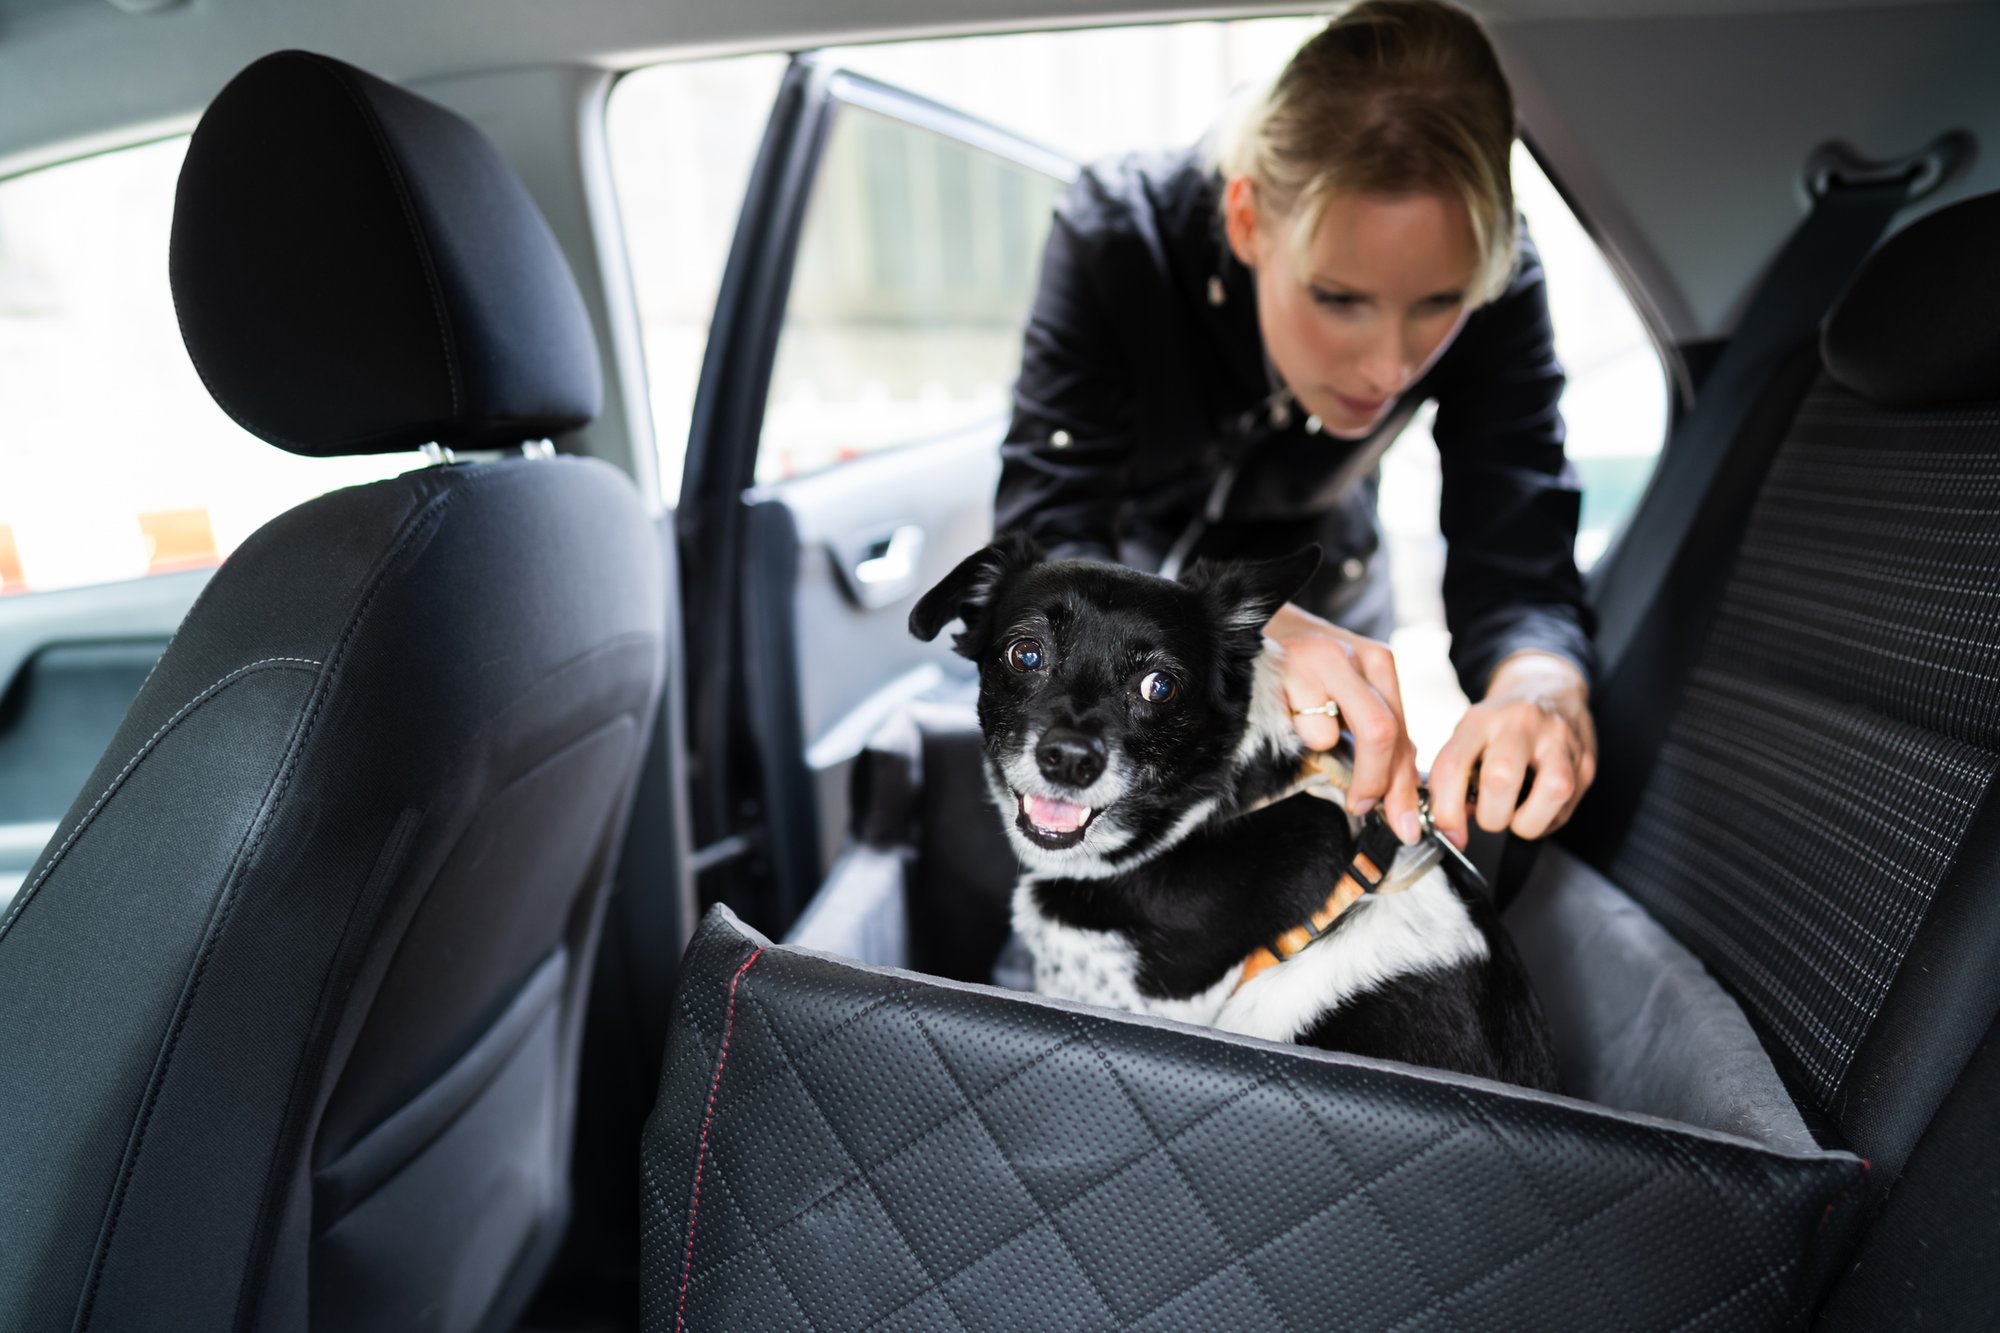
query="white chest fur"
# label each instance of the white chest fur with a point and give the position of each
(1102, 967)
(1423, 928)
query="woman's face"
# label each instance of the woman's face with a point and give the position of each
(1382, 293)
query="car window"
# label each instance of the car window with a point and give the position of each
(917, 262)
(682, 139)
(118, 464)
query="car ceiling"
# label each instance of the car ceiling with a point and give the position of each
(1677, 126)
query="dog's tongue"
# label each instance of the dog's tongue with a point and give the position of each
(1055, 816)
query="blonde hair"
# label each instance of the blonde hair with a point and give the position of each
(1393, 97)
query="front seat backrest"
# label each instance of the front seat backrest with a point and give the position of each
(289, 1007)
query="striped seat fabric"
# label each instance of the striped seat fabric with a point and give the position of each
(1841, 726)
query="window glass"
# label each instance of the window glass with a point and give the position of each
(916, 266)
(683, 138)
(117, 463)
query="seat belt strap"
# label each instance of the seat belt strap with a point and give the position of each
(1811, 270)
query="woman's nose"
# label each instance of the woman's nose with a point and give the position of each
(1386, 362)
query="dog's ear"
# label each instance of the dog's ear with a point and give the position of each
(968, 590)
(1243, 595)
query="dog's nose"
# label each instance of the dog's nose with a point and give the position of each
(1070, 757)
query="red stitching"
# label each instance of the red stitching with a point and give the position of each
(701, 1153)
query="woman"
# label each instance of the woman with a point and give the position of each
(1222, 348)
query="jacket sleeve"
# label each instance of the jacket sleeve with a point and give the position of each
(1069, 446)
(1510, 499)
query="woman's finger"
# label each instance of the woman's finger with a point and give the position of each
(1556, 783)
(1586, 773)
(1377, 727)
(1377, 665)
(1451, 774)
(1503, 772)
(1307, 697)
(1401, 805)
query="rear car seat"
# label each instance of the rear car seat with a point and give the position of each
(1799, 791)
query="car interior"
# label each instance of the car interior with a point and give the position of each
(480, 850)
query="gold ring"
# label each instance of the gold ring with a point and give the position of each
(1324, 710)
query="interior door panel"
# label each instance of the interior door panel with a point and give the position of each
(71, 663)
(844, 453)
(854, 659)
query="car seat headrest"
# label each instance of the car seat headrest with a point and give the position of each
(356, 270)
(1919, 326)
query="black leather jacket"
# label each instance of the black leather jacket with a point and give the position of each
(1145, 404)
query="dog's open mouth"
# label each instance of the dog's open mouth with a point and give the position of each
(1052, 823)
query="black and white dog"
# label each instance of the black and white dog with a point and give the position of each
(1135, 739)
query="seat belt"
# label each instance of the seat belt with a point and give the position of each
(1822, 254)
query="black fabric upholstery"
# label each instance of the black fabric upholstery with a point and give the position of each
(291, 1004)
(1938, 269)
(1933, 1256)
(1825, 761)
(313, 938)
(840, 1147)
(357, 271)
(1667, 636)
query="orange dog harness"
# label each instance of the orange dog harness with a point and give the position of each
(1381, 864)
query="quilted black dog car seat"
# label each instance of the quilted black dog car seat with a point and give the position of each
(853, 1132)
(841, 1146)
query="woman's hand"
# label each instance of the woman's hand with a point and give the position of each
(1535, 716)
(1326, 664)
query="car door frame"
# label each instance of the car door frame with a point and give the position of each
(753, 801)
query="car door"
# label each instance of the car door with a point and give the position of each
(843, 453)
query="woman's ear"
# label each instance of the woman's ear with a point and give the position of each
(1239, 218)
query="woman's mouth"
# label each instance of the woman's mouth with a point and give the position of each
(1360, 407)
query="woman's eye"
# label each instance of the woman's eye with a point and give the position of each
(1026, 655)
(1158, 687)
(1335, 300)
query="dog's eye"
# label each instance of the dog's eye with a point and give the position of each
(1026, 655)
(1158, 687)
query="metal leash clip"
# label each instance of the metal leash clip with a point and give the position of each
(1451, 848)
(1343, 753)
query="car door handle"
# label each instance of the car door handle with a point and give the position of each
(893, 559)
(880, 570)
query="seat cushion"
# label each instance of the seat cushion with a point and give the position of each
(1638, 1022)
